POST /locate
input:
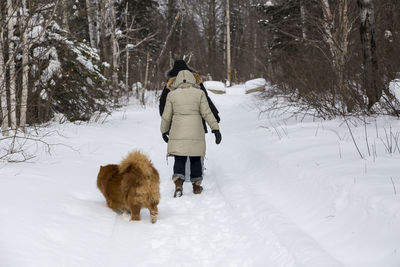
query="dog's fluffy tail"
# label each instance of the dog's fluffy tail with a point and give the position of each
(136, 169)
(138, 162)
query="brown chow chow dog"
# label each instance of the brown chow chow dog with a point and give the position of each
(131, 185)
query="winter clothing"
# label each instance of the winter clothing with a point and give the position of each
(197, 188)
(218, 136)
(178, 186)
(196, 172)
(185, 107)
(165, 137)
(180, 65)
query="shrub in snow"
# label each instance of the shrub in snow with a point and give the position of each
(67, 79)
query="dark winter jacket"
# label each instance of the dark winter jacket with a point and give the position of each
(171, 74)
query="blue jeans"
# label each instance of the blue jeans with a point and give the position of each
(196, 169)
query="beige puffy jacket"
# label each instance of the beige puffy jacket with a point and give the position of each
(185, 107)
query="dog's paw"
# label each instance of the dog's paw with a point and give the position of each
(119, 211)
(153, 220)
(135, 218)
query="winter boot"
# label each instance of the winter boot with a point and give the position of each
(178, 186)
(197, 188)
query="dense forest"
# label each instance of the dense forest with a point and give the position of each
(76, 58)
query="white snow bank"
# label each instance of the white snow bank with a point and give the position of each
(215, 86)
(251, 84)
(255, 85)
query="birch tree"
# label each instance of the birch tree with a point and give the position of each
(228, 45)
(114, 43)
(337, 27)
(25, 22)
(11, 53)
(91, 17)
(3, 92)
(211, 36)
(127, 48)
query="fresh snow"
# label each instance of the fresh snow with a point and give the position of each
(279, 191)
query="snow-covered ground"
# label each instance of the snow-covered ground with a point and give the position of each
(279, 191)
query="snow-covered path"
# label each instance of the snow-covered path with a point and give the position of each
(268, 201)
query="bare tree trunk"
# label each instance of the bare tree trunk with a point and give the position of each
(4, 107)
(255, 53)
(98, 22)
(171, 60)
(25, 66)
(211, 37)
(146, 77)
(372, 84)
(336, 33)
(65, 16)
(90, 15)
(303, 18)
(127, 89)
(342, 53)
(140, 75)
(180, 55)
(114, 45)
(11, 54)
(228, 44)
(327, 24)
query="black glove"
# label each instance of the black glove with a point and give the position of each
(218, 136)
(165, 137)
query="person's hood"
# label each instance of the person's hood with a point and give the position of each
(185, 78)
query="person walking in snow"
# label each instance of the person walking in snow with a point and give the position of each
(171, 74)
(185, 108)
